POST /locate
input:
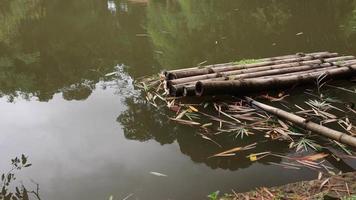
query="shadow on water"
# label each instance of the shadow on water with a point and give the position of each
(138, 126)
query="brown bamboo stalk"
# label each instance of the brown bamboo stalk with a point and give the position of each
(189, 90)
(208, 70)
(179, 89)
(273, 71)
(324, 67)
(167, 73)
(306, 124)
(193, 79)
(262, 59)
(340, 58)
(237, 87)
(186, 89)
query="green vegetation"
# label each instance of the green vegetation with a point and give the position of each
(214, 195)
(246, 61)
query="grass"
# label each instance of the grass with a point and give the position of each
(246, 61)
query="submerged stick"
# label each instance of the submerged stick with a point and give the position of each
(316, 128)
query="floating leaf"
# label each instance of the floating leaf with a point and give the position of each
(253, 157)
(193, 108)
(232, 151)
(315, 157)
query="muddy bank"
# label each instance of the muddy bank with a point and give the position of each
(334, 187)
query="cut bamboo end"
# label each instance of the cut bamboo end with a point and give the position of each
(170, 76)
(189, 90)
(175, 91)
(199, 88)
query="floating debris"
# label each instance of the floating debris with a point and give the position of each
(158, 174)
(241, 117)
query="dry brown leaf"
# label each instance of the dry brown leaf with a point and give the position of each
(234, 150)
(186, 122)
(314, 157)
(193, 108)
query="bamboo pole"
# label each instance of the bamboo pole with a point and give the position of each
(237, 87)
(243, 72)
(306, 124)
(208, 70)
(189, 90)
(166, 73)
(178, 90)
(327, 66)
(320, 70)
(340, 58)
(193, 79)
(272, 71)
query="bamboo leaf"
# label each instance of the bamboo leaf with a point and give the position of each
(314, 157)
(193, 108)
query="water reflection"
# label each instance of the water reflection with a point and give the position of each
(112, 6)
(48, 46)
(239, 29)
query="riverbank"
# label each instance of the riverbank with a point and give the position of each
(334, 187)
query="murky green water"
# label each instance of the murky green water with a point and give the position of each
(89, 136)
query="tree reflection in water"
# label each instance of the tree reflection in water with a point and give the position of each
(11, 189)
(143, 122)
(46, 47)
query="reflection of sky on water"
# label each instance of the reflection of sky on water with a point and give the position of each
(79, 151)
(111, 6)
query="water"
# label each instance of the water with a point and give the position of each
(90, 136)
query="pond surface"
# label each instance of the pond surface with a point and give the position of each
(90, 136)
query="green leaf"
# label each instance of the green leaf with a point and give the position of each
(214, 195)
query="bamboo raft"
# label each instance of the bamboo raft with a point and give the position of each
(240, 78)
(261, 74)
